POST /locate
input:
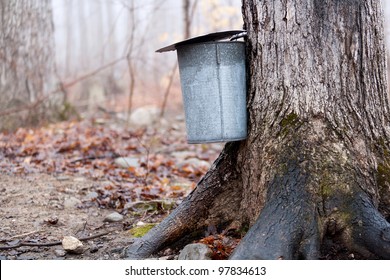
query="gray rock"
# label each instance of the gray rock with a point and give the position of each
(80, 179)
(60, 252)
(144, 116)
(113, 217)
(126, 162)
(72, 245)
(93, 249)
(196, 251)
(71, 202)
(92, 195)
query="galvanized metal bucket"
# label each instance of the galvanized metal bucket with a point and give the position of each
(213, 84)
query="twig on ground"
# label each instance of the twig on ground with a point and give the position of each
(51, 243)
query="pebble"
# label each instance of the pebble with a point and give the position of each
(113, 217)
(93, 249)
(72, 245)
(71, 202)
(79, 179)
(196, 251)
(60, 252)
(92, 195)
(144, 116)
(126, 162)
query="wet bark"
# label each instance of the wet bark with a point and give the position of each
(315, 165)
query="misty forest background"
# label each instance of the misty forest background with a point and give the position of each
(89, 35)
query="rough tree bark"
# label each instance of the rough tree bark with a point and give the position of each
(316, 164)
(27, 64)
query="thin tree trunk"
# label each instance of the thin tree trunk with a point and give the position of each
(69, 36)
(130, 58)
(84, 37)
(316, 163)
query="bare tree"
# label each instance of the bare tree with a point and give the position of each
(130, 57)
(26, 61)
(189, 8)
(69, 34)
(316, 164)
(188, 15)
(84, 36)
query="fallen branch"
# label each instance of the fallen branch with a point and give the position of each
(55, 243)
(92, 73)
(60, 89)
(83, 159)
(26, 107)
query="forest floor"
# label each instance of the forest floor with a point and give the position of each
(67, 179)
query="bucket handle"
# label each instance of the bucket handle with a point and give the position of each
(238, 36)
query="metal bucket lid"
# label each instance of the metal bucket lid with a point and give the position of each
(204, 38)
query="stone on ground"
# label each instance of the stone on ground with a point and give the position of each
(196, 251)
(72, 245)
(113, 217)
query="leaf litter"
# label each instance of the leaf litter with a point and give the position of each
(89, 149)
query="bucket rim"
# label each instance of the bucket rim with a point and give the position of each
(210, 43)
(211, 37)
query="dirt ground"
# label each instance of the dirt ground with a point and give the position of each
(43, 209)
(37, 208)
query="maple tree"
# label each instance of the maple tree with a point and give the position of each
(315, 167)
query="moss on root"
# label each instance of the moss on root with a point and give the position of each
(140, 231)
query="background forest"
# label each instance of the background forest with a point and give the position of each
(93, 34)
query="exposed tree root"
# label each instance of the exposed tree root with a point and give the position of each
(213, 200)
(369, 232)
(287, 227)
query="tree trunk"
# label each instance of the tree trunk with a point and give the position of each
(26, 61)
(316, 164)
